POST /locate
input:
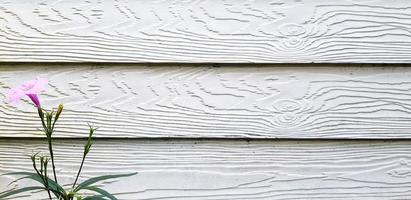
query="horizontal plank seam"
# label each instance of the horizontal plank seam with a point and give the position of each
(217, 139)
(211, 64)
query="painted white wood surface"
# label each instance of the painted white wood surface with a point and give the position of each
(229, 169)
(216, 102)
(275, 31)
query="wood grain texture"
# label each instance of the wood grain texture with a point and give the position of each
(212, 31)
(215, 102)
(235, 170)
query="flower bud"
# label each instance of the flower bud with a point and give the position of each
(42, 164)
(59, 110)
(45, 163)
(92, 130)
(87, 146)
(33, 157)
(49, 117)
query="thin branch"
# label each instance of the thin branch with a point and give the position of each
(52, 157)
(41, 176)
(79, 170)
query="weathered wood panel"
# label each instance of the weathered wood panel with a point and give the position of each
(200, 170)
(237, 31)
(216, 102)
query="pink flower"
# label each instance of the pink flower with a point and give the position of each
(30, 88)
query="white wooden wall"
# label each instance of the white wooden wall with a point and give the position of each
(216, 100)
(257, 31)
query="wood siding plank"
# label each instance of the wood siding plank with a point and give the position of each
(137, 101)
(217, 169)
(208, 31)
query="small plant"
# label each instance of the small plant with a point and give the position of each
(41, 163)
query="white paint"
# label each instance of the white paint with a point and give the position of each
(228, 102)
(277, 31)
(235, 170)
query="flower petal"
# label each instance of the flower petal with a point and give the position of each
(34, 99)
(34, 86)
(14, 95)
(30, 88)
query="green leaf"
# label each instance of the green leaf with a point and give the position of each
(52, 185)
(100, 178)
(17, 180)
(37, 178)
(101, 191)
(17, 173)
(17, 191)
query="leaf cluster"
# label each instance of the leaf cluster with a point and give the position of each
(40, 166)
(58, 191)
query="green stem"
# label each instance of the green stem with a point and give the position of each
(49, 132)
(41, 115)
(41, 176)
(47, 182)
(79, 170)
(52, 157)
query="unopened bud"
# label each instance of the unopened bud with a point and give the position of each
(59, 110)
(33, 157)
(45, 164)
(42, 164)
(49, 117)
(87, 146)
(92, 130)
